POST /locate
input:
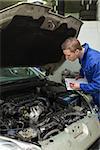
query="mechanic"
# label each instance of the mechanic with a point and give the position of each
(90, 66)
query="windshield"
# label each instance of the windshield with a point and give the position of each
(16, 73)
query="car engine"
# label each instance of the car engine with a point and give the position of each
(37, 114)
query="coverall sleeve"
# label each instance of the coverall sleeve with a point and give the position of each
(94, 85)
(81, 73)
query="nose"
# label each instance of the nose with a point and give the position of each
(67, 55)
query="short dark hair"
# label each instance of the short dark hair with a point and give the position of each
(72, 44)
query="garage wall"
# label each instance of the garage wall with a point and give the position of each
(90, 33)
(98, 10)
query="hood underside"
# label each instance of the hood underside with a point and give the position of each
(31, 35)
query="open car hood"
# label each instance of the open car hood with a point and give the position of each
(31, 35)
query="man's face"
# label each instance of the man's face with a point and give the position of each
(72, 56)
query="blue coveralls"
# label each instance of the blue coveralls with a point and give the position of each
(90, 68)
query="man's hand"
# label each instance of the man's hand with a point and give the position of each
(75, 86)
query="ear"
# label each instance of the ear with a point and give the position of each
(77, 51)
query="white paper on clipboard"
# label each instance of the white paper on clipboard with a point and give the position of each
(72, 80)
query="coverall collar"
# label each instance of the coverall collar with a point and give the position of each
(85, 46)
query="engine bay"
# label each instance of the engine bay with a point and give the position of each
(37, 114)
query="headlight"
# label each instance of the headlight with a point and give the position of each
(7, 145)
(11, 144)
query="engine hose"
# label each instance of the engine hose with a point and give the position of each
(50, 133)
(4, 125)
(86, 98)
(44, 100)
